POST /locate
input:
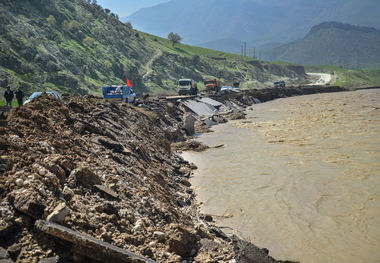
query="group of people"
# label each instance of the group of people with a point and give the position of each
(9, 95)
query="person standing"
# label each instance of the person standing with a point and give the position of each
(8, 95)
(19, 96)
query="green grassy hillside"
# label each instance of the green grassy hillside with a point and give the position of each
(74, 46)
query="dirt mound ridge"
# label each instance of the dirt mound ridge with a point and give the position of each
(103, 169)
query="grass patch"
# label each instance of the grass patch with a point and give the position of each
(14, 103)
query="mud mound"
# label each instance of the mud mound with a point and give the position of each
(103, 169)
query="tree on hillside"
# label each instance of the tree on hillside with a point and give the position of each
(174, 38)
(88, 41)
(129, 24)
(51, 20)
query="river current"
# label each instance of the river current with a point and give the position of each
(300, 176)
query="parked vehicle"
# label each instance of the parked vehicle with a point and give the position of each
(279, 84)
(36, 94)
(229, 88)
(187, 86)
(212, 85)
(122, 93)
(226, 88)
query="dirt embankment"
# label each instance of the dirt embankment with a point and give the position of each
(106, 170)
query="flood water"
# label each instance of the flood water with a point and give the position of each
(300, 176)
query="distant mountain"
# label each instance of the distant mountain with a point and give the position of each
(218, 23)
(334, 44)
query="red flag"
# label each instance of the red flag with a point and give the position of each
(129, 83)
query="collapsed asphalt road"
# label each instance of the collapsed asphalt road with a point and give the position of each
(108, 172)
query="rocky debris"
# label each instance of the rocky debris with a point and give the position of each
(89, 246)
(190, 145)
(248, 253)
(103, 169)
(237, 116)
(106, 190)
(84, 176)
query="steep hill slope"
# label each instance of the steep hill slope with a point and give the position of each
(204, 22)
(75, 46)
(334, 44)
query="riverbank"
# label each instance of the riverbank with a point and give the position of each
(298, 176)
(108, 171)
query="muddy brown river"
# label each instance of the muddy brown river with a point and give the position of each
(300, 176)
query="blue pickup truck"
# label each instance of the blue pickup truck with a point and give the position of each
(119, 93)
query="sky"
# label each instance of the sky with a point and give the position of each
(126, 7)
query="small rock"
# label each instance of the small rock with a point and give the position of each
(160, 236)
(68, 194)
(49, 260)
(113, 218)
(137, 228)
(42, 191)
(110, 209)
(183, 170)
(14, 250)
(185, 182)
(19, 182)
(59, 213)
(140, 222)
(99, 208)
(208, 218)
(42, 172)
(3, 253)
(106, 190)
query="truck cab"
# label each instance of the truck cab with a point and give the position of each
(187, 87)
(121, 93)
(212, 85)
(279, 84)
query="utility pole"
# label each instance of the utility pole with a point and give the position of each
(241, 52)
(254, 52)
(245, 49)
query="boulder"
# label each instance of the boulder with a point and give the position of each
(189, 121)
(84, 176)
(59, 213)
(160, 236)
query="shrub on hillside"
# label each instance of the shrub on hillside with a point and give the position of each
(51, 20)
(88, 41)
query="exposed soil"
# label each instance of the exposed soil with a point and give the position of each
(107, 170)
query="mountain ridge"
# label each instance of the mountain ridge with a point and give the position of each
(333, 44)
(252, 21)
